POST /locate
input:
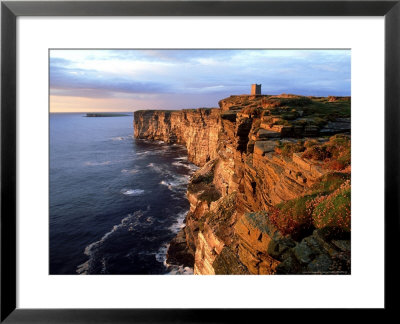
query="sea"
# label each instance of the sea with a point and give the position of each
(115, 201)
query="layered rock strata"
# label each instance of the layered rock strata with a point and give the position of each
(197, 129)
(242, 177)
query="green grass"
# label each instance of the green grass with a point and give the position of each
(330, 182)
(287, 149)
(315, 112)
(297, 208)
(327, 204)
(297, 101)
(210, 194)
(327, 110)
(334, 210)
(336, 152)
(200, 182)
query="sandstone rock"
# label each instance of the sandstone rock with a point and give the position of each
(201, 138)
(263, 147)
(336, 98)
(304, 253)
(277, 248)
(231, 116)
(298, 131)
(255, 233)
(243, 128)
(284, 131)
(321, 264)
(235, 148)
(306, 165)
(340, 125)
(250, 146)
(266, 134)
(207, 249)
(178, 252)
(311, 130)
(316, 254)
(290, 265)
(343, 245)
(227, 263)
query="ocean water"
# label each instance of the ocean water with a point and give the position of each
(115, 201)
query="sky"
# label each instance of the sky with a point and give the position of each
(129, 80)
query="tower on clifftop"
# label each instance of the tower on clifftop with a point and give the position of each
(255, 89)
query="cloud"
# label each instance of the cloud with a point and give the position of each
(89, 83)
(197, 74)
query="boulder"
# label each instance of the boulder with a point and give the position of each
(339, 125)
(263, 147)
(178, 252)
(277, 248)
(265, 134)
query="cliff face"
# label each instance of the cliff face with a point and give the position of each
(197, 129)
(241, 218)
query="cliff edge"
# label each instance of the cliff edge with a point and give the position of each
(273, 192)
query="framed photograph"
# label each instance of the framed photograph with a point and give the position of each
(186, 161)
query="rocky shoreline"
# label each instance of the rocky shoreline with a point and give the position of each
(272, 195)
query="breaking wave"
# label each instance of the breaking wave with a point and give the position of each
(122, 138)
(89, 163)
(131, 171)
(182, 158)
(156, 168)
(132, 192)
(186, 165)
(178, 183)
(179, 270)
(179, 223)
(127, 223)
(161, 256)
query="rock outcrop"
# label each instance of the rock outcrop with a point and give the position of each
(196, 128)
(252, 164)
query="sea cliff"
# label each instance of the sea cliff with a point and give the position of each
(272, 195)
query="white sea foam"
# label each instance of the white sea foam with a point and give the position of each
(180, 164)
(142, 153)
(83, 268)
(184, 164)
(132, 192)
(179, 223)
(122, 138)
(178, 183)
(179, 270)
(182, 158)
(103, 266)
(157, 168)
(149, 220)
(128, 222)
(89, 163)
(161, 256)
(131, 171)
(167, 184)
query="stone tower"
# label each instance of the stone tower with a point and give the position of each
(255, 89)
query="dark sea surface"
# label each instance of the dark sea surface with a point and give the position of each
(115, 201)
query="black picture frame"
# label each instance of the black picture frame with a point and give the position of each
(10, 10)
